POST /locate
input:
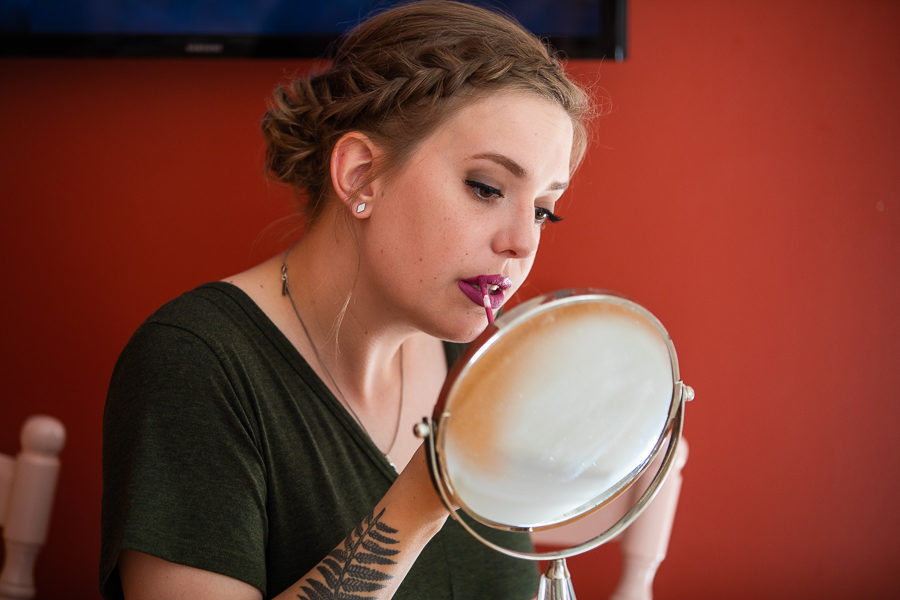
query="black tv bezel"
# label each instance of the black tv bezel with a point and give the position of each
(609, 43)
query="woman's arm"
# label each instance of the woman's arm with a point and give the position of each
(371, 562)
(373, 559)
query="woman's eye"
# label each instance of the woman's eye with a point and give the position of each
(483, 191)
(543, 215)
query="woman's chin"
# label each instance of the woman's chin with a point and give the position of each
(464, 330)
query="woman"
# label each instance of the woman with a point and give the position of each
(258, 430)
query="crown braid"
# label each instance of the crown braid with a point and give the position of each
(396, 77)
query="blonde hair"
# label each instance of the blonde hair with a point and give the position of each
(396, 77)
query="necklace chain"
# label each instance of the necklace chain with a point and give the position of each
(286, 291)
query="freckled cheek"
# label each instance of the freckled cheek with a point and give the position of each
(428, 256)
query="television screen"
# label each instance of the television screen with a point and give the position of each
(265, 28)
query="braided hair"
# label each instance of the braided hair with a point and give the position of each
(396, 77)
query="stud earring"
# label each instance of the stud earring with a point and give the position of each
(360, 207)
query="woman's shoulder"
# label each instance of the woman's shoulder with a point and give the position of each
(208, 301)
(190, 325)
(216, 320)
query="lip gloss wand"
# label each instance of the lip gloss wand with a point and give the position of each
(487, 304)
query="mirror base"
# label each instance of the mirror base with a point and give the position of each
(556, 584)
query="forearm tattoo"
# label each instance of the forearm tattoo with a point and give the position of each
(351, 570)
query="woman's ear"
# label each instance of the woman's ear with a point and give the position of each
(352, 164)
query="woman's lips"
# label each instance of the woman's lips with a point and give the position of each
(492, 286)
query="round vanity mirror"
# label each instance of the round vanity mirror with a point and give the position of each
(555, 410)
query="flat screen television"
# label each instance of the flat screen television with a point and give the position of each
(265, 28)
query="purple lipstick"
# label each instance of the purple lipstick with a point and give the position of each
(486, 291)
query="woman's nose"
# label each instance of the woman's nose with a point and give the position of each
(518, 235)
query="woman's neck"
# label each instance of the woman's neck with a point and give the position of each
(346, 328)
(361, 352)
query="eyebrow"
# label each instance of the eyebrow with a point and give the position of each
(515, 168)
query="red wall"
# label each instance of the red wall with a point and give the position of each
(744, 187)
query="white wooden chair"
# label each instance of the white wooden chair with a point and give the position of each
(643, 544)
(27, 488)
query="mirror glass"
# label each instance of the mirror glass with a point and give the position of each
(555, 409)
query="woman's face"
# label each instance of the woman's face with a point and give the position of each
(466, 211)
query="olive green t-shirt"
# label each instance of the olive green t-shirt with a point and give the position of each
(223, 450)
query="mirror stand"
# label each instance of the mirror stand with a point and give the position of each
(556, 584)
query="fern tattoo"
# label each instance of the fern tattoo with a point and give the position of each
(346, 569)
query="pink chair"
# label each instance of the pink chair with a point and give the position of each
(27, 488)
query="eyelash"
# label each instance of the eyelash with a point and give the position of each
(542, 215)
(487, 192)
